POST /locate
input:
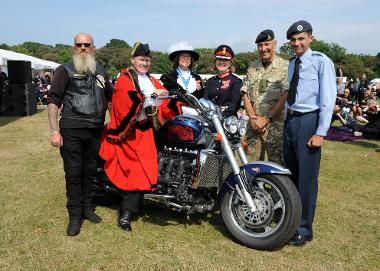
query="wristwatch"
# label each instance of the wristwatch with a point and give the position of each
(268, 116)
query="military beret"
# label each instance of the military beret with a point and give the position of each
(298, 27)
(224, 52)
(140, 49)
(265, 35)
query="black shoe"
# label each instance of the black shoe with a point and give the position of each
(125, 220)
(300, 240)
(74, 226)
(90, 215)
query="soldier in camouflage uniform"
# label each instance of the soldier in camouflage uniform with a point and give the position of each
(264, 94)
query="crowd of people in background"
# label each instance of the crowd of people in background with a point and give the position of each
(41, 85)
(357, 107)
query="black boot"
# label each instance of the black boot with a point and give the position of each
(74, 226)
(90, 215)
(125, 218)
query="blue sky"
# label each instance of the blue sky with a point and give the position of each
(355, 25)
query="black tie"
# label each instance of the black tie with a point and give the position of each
(294, 83)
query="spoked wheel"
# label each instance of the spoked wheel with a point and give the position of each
(277, 216)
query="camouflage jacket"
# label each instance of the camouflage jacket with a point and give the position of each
(265, 86)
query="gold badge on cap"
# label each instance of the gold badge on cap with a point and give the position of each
(224, 51)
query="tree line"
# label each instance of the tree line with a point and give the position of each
(115, 55)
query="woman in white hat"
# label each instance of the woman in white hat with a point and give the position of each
(183, 57)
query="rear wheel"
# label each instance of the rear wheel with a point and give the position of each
(276, 219)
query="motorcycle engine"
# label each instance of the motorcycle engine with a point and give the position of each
(176, 167)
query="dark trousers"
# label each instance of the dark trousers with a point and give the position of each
(131, 201)
(303, 162)
(79, 153)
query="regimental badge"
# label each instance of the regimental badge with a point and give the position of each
(225, 84)
(224, 52)
(269, 37)
(299, 27)
(100, 81)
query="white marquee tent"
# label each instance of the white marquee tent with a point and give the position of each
(36, 63)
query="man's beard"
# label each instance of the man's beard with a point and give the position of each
(85, 63)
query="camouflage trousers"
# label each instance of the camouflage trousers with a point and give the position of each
(269, 143)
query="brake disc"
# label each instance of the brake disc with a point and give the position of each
(265, 209)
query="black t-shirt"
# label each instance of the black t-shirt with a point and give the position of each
(346, 100)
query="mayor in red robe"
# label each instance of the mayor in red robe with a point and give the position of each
(128, 146)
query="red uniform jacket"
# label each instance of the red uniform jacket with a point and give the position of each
(128, 146)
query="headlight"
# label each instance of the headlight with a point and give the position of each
(242, 127)
(231, 124)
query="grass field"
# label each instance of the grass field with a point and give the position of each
(33, 218)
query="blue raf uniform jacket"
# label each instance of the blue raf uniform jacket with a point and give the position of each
(316, 87)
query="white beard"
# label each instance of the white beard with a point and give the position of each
(85, 63)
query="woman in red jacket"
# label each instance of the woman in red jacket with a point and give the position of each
(128, 146)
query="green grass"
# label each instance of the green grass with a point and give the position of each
(33, 218)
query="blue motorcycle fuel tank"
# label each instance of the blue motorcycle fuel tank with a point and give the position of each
(182, 131)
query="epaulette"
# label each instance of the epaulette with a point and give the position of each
(316, 53)
(214, 77)
(236, 76)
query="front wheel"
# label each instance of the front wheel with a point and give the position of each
(276, 219)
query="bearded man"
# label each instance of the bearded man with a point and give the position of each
(81, 87)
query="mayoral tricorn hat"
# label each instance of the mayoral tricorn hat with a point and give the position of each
(140, 49)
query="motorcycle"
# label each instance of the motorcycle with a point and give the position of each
(199, 172)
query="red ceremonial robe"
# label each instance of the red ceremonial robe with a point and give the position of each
(128, 146)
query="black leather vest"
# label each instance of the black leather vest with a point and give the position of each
(84, 98)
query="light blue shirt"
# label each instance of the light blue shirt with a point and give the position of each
(316, 87)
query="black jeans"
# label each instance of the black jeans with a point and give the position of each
(79, 153)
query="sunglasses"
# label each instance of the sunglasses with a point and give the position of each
(79, 45)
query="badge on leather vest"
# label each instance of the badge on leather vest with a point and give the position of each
(100, 82)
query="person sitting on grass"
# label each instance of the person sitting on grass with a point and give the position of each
(346, 117)
(345, 101)
(367, 102)
(372, 129)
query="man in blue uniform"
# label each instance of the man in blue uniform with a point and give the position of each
(309, 107)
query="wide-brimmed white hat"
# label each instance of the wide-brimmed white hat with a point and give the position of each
(182, 47)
